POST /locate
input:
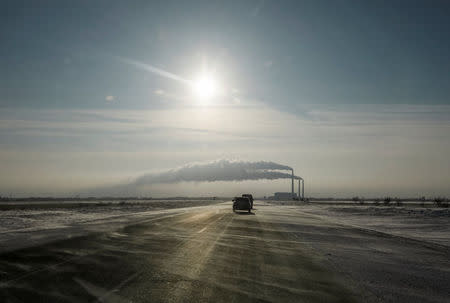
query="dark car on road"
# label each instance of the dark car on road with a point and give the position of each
(250, 197)
(242, 203)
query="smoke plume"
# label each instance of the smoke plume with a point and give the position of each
(220, 170)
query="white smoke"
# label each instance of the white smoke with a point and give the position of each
(220, 170)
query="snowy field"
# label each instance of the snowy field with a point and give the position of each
(411, 220)
(25, 224)
(176, 248)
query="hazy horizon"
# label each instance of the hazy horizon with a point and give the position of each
(354, 96)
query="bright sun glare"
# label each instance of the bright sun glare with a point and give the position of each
(205, 87)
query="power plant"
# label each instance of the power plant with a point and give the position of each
(292, 195)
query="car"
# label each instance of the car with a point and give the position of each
(242, 203)
(250, 197)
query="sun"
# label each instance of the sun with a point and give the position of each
(205, 87)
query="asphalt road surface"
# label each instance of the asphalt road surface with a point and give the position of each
(210, 254)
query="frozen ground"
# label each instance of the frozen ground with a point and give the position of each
(430, 224)
(33, 223)
(25, 224)
(280, 252)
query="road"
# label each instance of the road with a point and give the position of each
(210, 254)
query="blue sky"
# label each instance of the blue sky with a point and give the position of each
(355, 89)
(61, 54)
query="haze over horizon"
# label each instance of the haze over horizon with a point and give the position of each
(353, 95)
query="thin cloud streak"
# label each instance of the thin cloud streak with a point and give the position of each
(155, 70)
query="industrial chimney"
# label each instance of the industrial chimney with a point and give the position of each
(292, 185)
(301, 195)
(303, 189)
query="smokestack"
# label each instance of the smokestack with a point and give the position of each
(292, 184)
(303, 189)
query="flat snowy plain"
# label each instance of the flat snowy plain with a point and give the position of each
(424, 223)
(26, 224)
(191, 251)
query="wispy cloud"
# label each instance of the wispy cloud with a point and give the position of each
(265, 123)
(326, 144)
(110, 98)
(155, 70)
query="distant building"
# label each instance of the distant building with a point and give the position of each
(283, 196)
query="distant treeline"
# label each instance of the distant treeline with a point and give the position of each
(357, 198)
(76, 199)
